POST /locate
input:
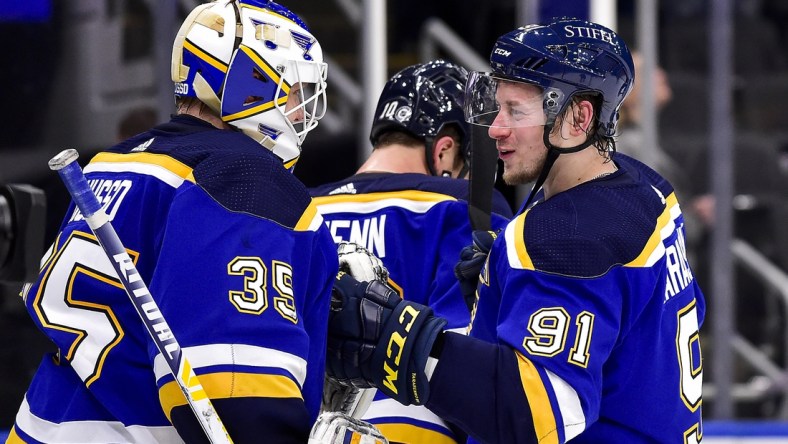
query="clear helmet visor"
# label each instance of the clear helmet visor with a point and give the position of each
(493, 101)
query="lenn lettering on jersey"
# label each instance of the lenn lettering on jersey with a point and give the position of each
(369, 233)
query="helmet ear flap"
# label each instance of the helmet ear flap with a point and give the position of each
(206, 94)
(179, 72)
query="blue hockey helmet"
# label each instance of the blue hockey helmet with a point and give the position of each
(421, 100)
(564, 58)
(257, 66)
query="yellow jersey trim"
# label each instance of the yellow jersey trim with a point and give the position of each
(178, 168)
(13, 438)
(232, 385)
(289, 164)
(410, 433)
(309, 215)
(418, 196)
(519, 242)
(656, 237)
(536, 393)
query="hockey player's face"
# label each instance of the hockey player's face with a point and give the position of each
(517, 130)
(293, 101)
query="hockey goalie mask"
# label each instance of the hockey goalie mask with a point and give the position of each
(258, 67)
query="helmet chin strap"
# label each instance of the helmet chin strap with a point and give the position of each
(552, 155)
(462, 174)
(429, 149)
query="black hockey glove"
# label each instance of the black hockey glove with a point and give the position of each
(377, 339)
(471, 261)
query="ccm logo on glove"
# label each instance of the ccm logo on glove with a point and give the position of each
(397, 340)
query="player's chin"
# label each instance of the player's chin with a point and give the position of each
(514, 175)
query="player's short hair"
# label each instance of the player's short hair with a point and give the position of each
(604, 144)
(399, 137)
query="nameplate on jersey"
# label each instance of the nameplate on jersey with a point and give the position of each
(368, 232)
(679, 275)
(110, 194)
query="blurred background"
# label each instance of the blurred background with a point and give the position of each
(712, 78)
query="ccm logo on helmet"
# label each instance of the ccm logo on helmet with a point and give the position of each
(397, 339)
(503, 52)
(593, 33)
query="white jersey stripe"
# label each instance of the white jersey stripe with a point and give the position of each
(148, 169)
(317, 221)
(389, 408)
(89, 432)
(664, 233)
(511, 248)
(569, 405)
(370, 207)
(240, 354)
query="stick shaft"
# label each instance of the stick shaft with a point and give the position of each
(77, 185)
(484, 164)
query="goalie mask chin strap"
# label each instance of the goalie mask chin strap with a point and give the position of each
(552, 155)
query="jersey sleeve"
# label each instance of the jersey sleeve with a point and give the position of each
(549, 321)
(540, 366)
(247, 299)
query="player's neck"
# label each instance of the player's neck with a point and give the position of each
(395, 159)
(201, 111)
(573, 169)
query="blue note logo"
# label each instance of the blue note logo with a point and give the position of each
(304, 42)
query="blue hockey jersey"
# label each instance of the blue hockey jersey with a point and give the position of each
(587, 320)
(417, 225)
(241, 266)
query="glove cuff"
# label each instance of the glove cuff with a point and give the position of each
(425, 341)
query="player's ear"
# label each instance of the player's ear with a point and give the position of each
(444, 152)
(582, 116)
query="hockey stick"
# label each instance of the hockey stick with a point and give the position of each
(74, 179)
(482, 178)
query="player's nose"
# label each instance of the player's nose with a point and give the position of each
(297, 115)
(498, 132)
